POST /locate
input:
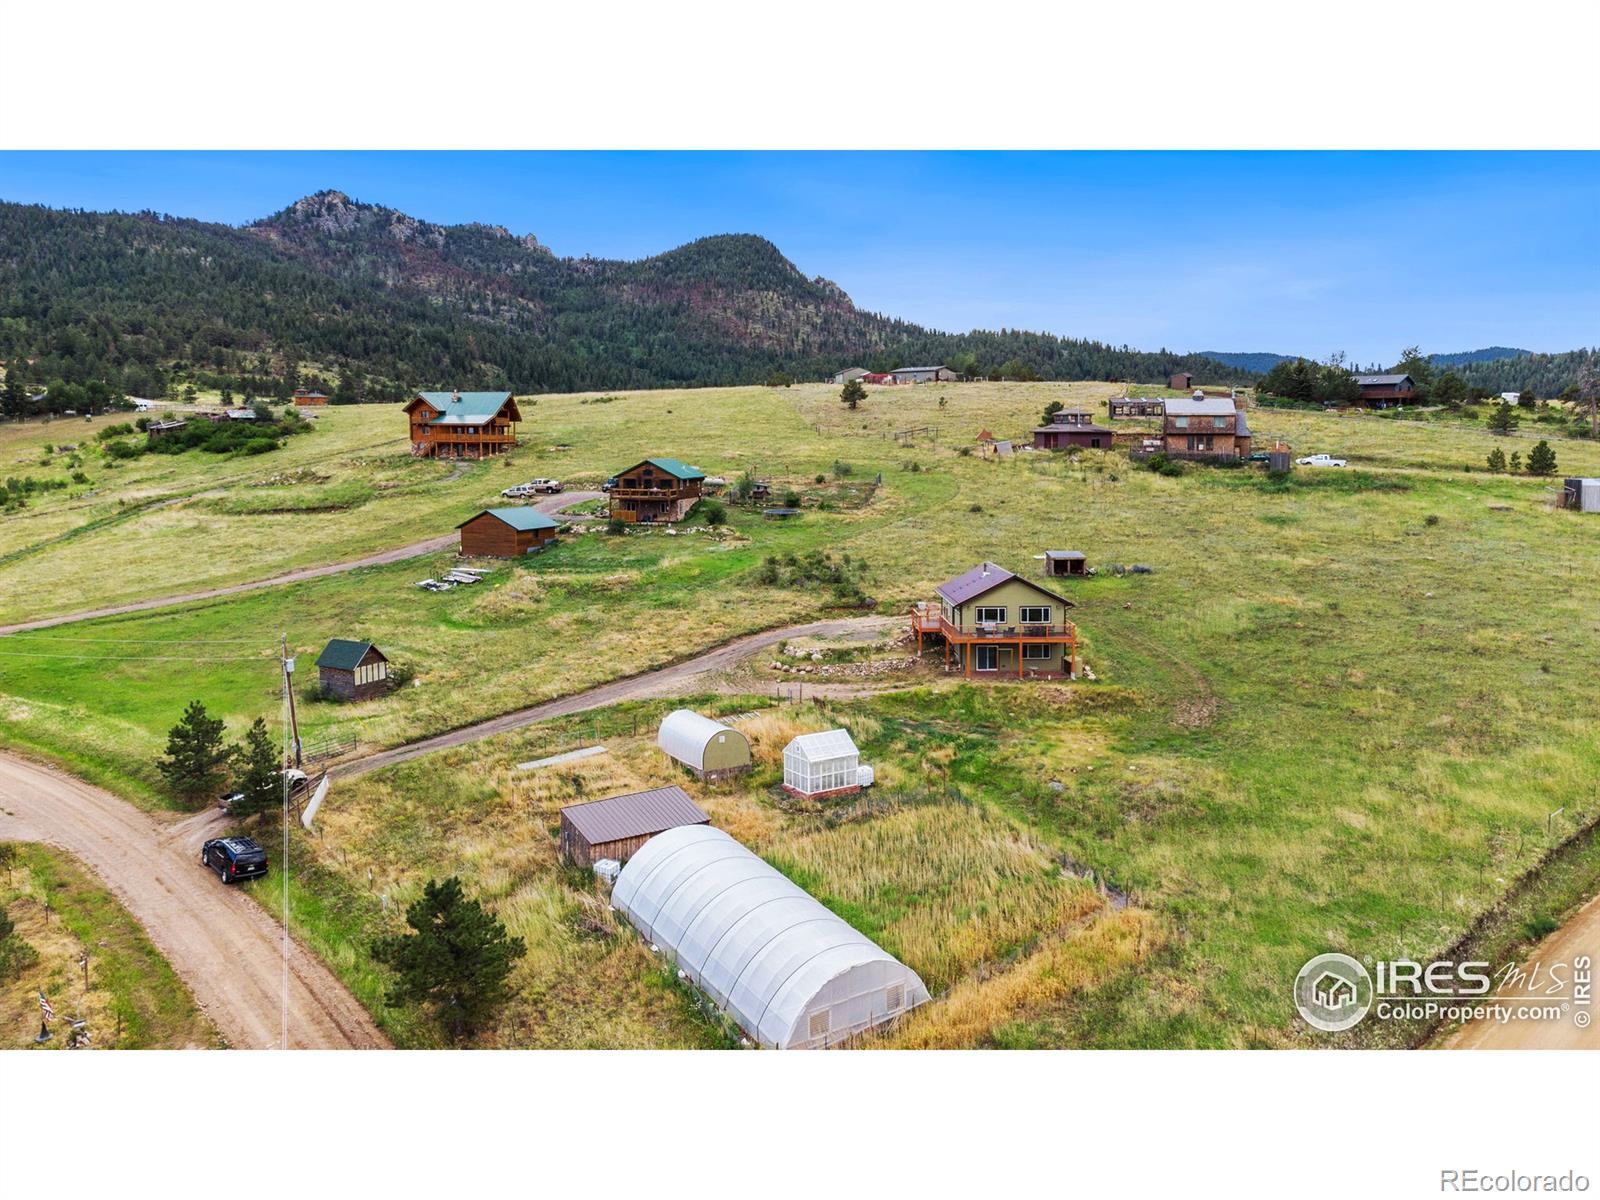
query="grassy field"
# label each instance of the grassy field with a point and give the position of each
(1334, 716)
(133, 1001)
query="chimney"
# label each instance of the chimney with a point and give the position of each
(985, 573)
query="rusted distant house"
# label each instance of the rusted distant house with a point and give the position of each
(506, 532)
(1072, 427)
(1128, 408)
(618, 826)
(352, 670)
(655, 490)
(462, 424)
(305, 396)
(159, 429)
(1180, 381)
(1382, 391)
(877, 377)
(1205, 427)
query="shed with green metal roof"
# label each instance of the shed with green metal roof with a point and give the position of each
(506, 532)
(352, 670)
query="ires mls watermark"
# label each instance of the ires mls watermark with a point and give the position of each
(1335, 992)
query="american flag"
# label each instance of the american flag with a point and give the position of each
(44, 1007)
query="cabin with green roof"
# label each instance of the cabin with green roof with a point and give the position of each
(462, 424)
(352, 670)
(656, 490)
(506, 532)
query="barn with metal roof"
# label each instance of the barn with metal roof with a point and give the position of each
(790, 973)
(618, 826)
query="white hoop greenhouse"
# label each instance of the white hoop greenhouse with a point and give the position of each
(789, 972)
(708, 748)
(815, 764)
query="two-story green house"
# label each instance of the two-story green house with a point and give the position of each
(994, 623)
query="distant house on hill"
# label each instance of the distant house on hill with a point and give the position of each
(1180, 381)
(938, 374)
(877, 377)
(303, 396)
(849, 373)
(462, 424)
(655, 490)
(1381, 391)
(159, 429)
(1205, 427)
(352, 670)
(1071, 427)
(506, 532)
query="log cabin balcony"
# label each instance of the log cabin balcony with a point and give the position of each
(455, 441)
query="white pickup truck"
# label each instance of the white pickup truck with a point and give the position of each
(533, 487)
(1321, 460)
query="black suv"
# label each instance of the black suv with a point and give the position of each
(234, 858)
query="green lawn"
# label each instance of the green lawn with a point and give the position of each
(1333, 716)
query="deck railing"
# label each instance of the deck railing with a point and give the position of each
(928, 618)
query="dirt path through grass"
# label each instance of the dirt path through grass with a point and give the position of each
(550, 504)
(658, 682)
(226, 948)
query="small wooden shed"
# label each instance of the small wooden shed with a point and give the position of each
(506, 532)
(618, 826)
(352, 670)
(1065, 562)
(1180, 381)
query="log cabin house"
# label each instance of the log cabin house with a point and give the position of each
(506, 532)
(616, 827)
(1072, 427)
(655, 490)
(1205, 428)
(1180, 381)
(993, 623)
(305, 396)
(352, 670)
(462, 424)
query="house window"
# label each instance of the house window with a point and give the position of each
(1032, 653)
(1181, 422)
(991, 614)
(986, 658)
(1036, 615)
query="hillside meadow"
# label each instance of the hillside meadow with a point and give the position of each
(1335, 715)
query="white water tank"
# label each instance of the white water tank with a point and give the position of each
(864, 776)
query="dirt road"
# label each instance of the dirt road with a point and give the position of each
(661, 681)
(1579, 936)
(223, 945)
(550, 504)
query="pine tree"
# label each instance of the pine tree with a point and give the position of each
(14, 400)
(1050, 410)
(1542, 459)
(456, 960)
(1497, 460)
(853, 394)
(1503, 419)
(256, 776)
(196, 762)
(1515, 464)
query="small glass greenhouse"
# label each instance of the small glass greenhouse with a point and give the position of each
(792, 974)
(816, 764)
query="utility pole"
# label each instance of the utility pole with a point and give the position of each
(291, 750)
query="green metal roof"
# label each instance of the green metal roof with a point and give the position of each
(673, 467)
(466, 408)
(522, 518)
(343, 655)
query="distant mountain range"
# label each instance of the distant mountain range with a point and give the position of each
(365, 291)
(1261, 361)
(1494, 368)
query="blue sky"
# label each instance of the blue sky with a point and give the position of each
(1291, 252)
